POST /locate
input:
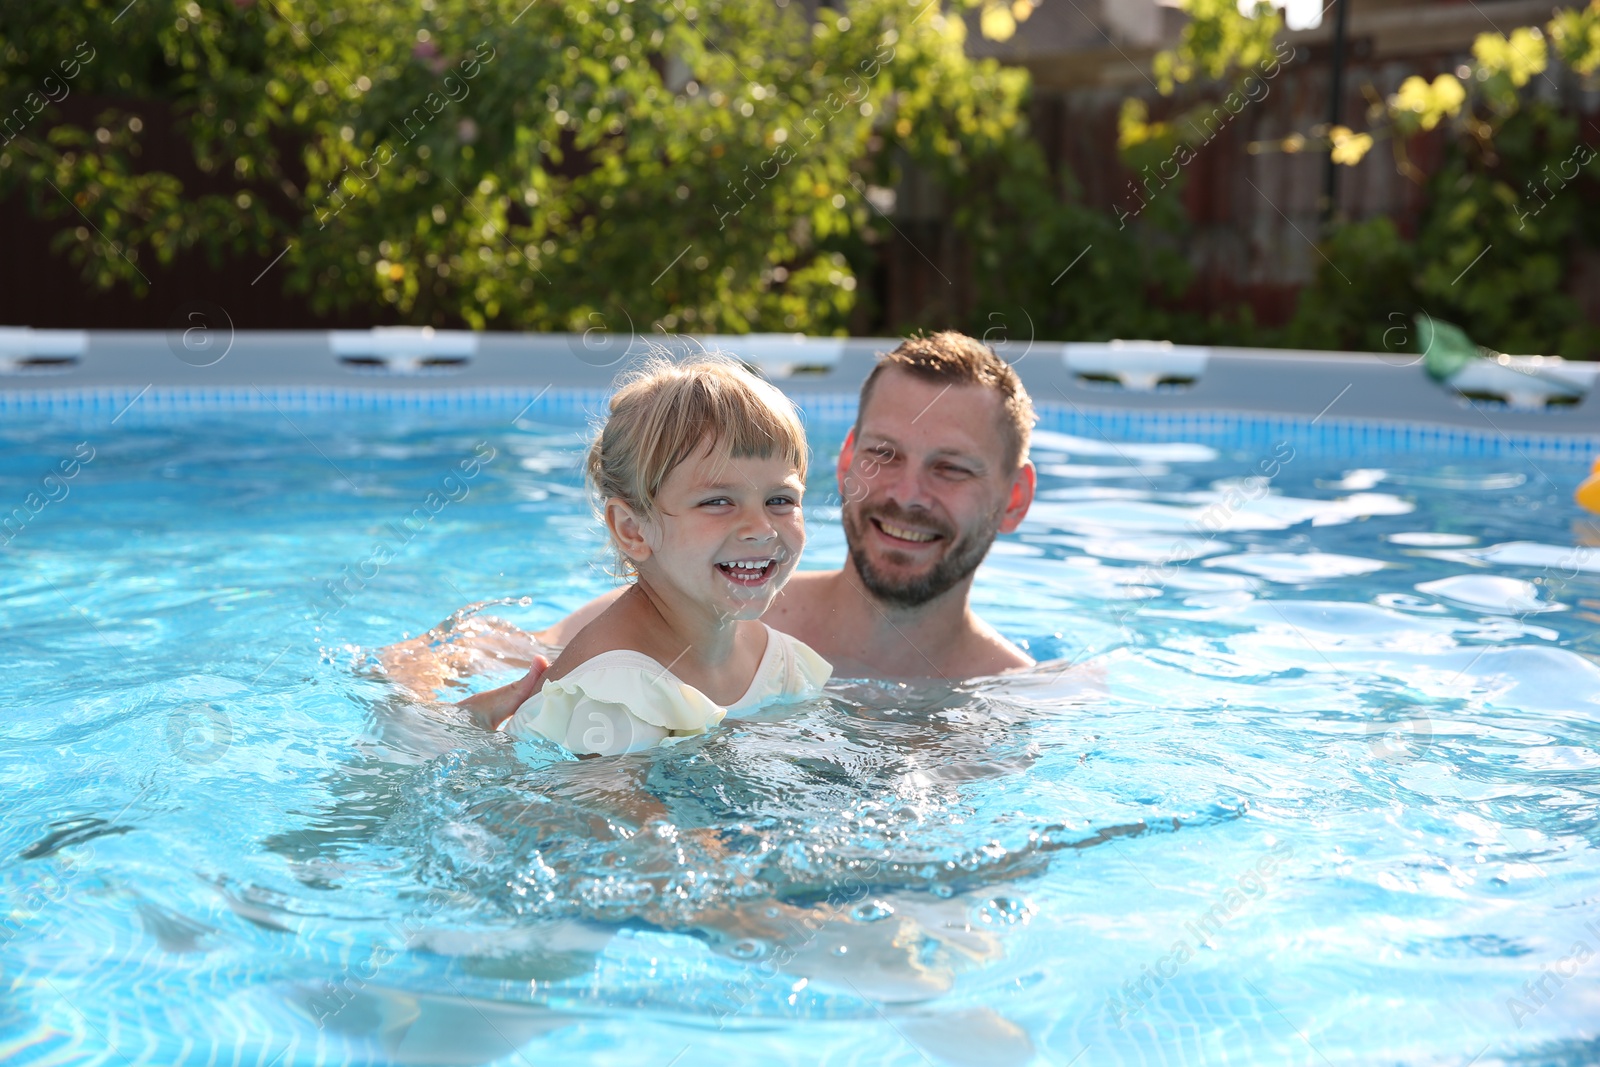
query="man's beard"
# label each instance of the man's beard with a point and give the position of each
(961, 558)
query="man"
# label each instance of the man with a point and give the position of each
(934, 469)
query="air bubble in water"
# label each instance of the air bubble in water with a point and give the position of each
(747, 949)
(943, 892)
(870, 911)
(1005, 911)
(526, 601)
(840, 950)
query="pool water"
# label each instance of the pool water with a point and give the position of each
(1311, 773)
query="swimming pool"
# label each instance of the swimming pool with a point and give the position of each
(1322, 784)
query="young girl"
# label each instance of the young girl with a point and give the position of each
(699, 470)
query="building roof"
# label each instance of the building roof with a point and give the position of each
(1110, 43)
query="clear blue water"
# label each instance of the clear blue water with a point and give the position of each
(1327, 793)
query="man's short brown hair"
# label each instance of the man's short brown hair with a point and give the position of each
(954, 358)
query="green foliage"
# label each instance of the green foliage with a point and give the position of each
(1505, 210)
(1576, 37)
(705, 164)
(1023, 232)
(1521, 205)
(1421, 105)
(1217, 41)
(50, 53)
(1363, 289)
(1505, 64)
(1068, 272)
(496, 163)
(696, 164)
(1490, 253)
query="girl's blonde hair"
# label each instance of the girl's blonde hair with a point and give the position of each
(665, 412)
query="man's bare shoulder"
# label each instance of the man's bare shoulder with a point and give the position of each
(804, 596)
(997, 659)
(989, 652)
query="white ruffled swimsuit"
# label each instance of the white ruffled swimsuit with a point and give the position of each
(626, 701)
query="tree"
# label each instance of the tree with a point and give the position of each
(1505, 185)
(693, 164)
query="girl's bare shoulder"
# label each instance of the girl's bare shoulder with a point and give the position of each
(616, 628)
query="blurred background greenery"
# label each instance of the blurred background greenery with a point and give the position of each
(758, 165)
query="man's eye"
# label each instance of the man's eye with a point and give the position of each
(954, 472)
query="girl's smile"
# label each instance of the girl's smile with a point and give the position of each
(750, 573)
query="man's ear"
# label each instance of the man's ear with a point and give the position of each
(847, 456)
(627, 530)
(1022, 487)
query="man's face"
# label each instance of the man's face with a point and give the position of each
(925, 486)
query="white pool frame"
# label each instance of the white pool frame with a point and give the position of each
(45, 370)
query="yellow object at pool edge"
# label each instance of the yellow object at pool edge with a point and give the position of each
(1588, 494)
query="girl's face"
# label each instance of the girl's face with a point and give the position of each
(727, 532)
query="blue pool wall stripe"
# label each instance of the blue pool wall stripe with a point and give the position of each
(1351, 436)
